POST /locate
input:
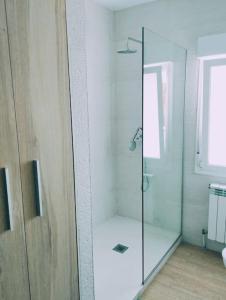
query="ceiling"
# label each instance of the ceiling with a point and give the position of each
(121, 4)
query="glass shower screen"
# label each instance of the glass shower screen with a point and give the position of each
(164, 68)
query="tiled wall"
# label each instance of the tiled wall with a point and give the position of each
(162, 201)
(100, 78)
(128, 117)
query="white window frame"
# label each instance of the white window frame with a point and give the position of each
(158, 71)
(201, 163)
(159, 68)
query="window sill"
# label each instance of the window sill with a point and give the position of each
(210, 172)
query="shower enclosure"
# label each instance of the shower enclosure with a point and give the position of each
(146, 155)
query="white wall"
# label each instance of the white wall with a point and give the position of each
(100, 78)
(183, 21)
(79, 106)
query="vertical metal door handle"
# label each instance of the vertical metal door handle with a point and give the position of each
(8, 198)
(38, 187)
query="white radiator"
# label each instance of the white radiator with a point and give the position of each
(217, 213)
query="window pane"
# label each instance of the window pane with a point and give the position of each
(217, 116)
(151, 116)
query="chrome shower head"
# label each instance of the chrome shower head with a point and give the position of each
(127, 50)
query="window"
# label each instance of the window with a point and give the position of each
(211, 142)
(152, 113)
(156, 102)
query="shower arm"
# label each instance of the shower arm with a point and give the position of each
(134, 40)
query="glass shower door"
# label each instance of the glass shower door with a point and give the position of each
(164, 66)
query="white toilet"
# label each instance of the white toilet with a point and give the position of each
(224, 256)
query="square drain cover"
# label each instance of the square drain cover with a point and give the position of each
(120, 248)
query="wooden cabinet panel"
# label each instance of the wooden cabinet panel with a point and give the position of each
(38, 43)
(14, 283)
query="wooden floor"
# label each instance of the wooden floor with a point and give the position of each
(190, 274)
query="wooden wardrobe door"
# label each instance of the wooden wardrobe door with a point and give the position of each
(38, 42)
(14, 282)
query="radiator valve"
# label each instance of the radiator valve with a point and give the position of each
(204, 234)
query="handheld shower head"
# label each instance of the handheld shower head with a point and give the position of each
(132, 145)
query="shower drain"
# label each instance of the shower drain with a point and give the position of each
(120, 248)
